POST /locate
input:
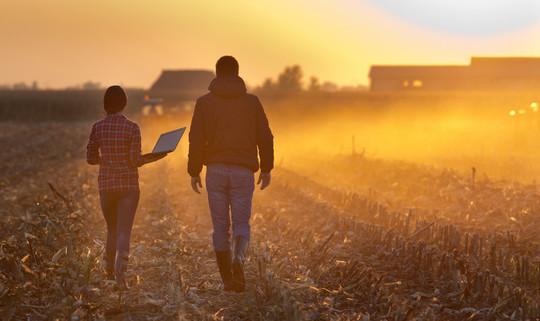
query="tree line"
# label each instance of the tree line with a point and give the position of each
(291, 81)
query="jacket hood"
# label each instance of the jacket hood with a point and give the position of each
(228, 87)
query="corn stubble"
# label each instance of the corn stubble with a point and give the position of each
(458, 252)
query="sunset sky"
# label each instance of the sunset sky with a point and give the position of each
(60, 43)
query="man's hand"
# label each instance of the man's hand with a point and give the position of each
(264, 180)
(196, 184)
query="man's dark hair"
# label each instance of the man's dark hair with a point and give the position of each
(114, 100)
(227, 66)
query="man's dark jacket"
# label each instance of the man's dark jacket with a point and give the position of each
(228, 127)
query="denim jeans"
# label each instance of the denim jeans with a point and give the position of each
(230, 193)
(119, 211)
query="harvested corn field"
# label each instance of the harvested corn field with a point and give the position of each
(357, 239)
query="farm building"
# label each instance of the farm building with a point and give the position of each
(482, 73)
(176, 87)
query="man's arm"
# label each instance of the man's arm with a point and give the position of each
(197, 141)
(265, 140)
(265, 144)
(92, 148)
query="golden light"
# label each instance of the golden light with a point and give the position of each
(534, 106)
(512, 113)
(522, 111)
(417, 83)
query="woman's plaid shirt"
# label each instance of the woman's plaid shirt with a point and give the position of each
(115, 144)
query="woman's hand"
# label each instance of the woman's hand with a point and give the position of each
(150, 158)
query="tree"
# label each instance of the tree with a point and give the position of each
(268, 85)
(90, 85)
(20, 86)
(329, 86)
(290, 80)
(314, 84)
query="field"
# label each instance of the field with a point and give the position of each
(345, 236)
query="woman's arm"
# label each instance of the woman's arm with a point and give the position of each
(135, 157)
(92, 148)
(135, 147)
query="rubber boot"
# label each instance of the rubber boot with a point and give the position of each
(122, 260)
(223, 259)
(108, 266)
(239, 249)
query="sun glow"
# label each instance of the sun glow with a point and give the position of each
(335, 41)
(464, 17)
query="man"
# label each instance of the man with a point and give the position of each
(228, 127)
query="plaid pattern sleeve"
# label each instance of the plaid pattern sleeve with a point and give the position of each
(119, 142)
(92, 148)
(135, 147)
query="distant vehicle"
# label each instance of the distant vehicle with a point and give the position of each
(152, 105)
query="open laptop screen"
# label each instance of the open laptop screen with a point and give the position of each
(167, 142)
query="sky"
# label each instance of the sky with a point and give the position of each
(63, 43)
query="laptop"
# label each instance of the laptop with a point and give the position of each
(168, 141)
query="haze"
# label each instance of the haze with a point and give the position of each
(60, 43)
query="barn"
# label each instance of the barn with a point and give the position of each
(482, 74)
(177, 87)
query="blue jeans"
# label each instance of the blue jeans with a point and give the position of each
(230, 193)
(119, 211)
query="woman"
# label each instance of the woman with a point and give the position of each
(115, 145)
